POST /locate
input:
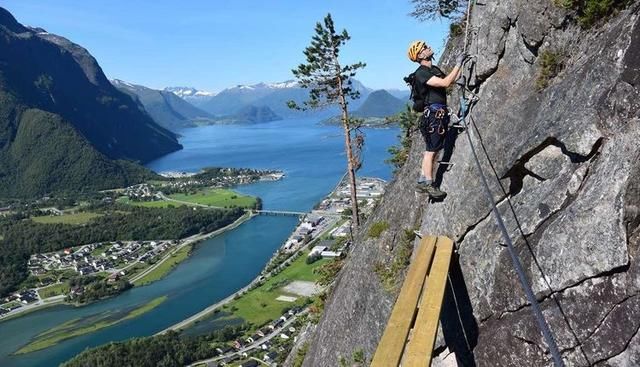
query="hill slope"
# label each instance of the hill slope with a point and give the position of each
(40, 72)
(380, 103)
(166, 108)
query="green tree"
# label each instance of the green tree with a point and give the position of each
(408, 121)
(330, 83)
(431, 9)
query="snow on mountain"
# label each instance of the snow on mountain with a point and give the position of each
(261, 85)
(118, 82)
(286, 84)
(184, 92)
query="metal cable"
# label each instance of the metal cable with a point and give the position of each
(537, 313)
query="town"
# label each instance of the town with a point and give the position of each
(323, 233)
(112, 260)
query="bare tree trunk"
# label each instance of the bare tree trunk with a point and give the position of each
(355, 214)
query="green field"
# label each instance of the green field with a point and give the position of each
(164, 268)
(218, 198)
(259, 305)
(148, 204)
(53, 290)
(76, 218)
(73, 328)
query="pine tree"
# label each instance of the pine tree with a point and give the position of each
(330, 83)
(431, 9)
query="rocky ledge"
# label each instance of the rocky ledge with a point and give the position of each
(563, 164)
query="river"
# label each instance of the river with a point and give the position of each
(312, 157)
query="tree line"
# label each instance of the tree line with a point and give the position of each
(21, 237)
(166, 350)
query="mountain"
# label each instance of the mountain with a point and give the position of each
(247, 115)
(380, 103)
(166, 108)
(555, 130)
(63, 126)
(231, 100)
(273, 95)
(402, 94)
(256, 114)
(194, 96)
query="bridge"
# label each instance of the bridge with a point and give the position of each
(292, 213)
(280, 212)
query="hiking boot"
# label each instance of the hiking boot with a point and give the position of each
(422, 186)
(431, 190)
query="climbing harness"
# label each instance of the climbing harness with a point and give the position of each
(465, 107)
(437, 123)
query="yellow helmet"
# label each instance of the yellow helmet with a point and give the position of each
(414, 49)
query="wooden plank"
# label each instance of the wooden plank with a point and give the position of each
(420, 347)
(389, 351)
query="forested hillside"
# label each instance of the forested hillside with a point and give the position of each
(63, 126)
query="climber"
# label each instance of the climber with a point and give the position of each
(431, 86)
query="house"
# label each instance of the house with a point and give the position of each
(265, 346)
(284, 336)
(331, 254)
(28, 298)
(76, 291)
(256, 336)
(86, 270)
(227, 350)
(249, 340)
(250, 363)
(238, 343)
(113, 277)
(318, 250)
(314, 221)
(271, 356)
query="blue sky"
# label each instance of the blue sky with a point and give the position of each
(216, 44)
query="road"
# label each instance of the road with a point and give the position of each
(255, 344)
(184, 323)
(187, 241)
(40, 303)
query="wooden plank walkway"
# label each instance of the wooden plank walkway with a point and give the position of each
(426, 278)
(420, 347)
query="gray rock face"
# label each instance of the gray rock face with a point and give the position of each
(563, 166)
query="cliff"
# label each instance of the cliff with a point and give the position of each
(561, 154)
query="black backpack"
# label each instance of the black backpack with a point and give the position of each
(418, 92)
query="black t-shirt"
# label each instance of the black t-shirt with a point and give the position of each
(433, 94)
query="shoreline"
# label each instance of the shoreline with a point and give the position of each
(210, 309)
(192, 240)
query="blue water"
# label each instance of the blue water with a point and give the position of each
(312, 158)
